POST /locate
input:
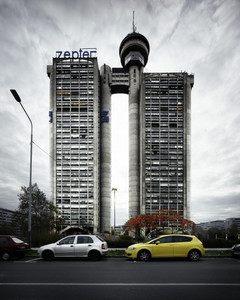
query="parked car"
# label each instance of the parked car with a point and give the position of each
(91, 246)
(11, 246)
(235, 250)
(173, 245)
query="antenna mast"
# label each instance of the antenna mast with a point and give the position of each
(134, 27)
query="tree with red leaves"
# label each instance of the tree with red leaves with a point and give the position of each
(159, 219)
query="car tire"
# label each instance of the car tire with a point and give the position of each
(194, 255)
(94, 255)
(48, 255)
(144, 255)
(5, 255)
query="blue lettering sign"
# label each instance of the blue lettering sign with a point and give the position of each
(51, 116)
(81, 53)
(104, 116)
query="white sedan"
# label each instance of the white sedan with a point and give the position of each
(91, 246)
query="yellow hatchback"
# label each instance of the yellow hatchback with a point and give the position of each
(173, 245)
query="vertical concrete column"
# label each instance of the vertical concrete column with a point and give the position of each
(134, 150)
(187, 145)
(52, 133)
(105, 155)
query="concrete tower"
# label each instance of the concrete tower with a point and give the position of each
(134, 51)
(80, 132)
(105, 146)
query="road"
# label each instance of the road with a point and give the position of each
(118, 278)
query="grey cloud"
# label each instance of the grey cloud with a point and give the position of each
(217, 207)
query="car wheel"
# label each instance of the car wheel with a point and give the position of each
(48, 255)
(194, 255)
(94, 255)
(144, 255)
(5, 255)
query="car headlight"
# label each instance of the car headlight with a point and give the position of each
(131, 248)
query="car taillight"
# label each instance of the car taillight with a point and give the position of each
(103, 247)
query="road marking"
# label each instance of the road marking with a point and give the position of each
(113, 284)
(27, 261)
(33, 260)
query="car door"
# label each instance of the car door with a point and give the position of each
(181, 246)
(65, 247)
(83, 245)
(163, 247)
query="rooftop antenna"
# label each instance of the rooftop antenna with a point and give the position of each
(134, 27)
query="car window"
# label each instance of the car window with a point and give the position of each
(67, 240)
(84, 240)
(3, 241)
(181, 239)
(163, 240)
(100, 238)
(166, 239)
(16, 240)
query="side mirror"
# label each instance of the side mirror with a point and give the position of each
(157, 243)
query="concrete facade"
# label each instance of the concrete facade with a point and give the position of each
(75, 141)
(105, 156)
(80, 133)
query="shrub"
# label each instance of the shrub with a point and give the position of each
(40, 239)
(122, 242)
(219, 243)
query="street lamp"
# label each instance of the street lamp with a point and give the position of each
(18, 99)
(114, 206)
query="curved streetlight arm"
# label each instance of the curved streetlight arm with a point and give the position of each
(18, 99)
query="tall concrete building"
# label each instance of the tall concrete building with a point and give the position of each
(80, 118)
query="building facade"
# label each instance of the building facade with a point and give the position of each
(80, 122)
(74, 140)
(165, 142)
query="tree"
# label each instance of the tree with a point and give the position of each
(233, 232)
(43, 211)
(159, 220)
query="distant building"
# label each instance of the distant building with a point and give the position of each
(6, 216)
(230, 221)
(7, 225)
(220, 224)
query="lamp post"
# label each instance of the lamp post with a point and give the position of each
(18, 99)
(114, 206)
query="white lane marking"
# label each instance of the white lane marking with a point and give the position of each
(113, 284)
(27, 261)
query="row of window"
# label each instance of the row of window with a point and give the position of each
(150, 209)
(169, 86)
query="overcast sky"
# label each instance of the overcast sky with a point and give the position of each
(200, 37)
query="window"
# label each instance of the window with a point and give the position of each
(164, 240)
(181, 239)
(67, 240)
(3, 241)
(84, 240)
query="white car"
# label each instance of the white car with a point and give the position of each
(91, 246)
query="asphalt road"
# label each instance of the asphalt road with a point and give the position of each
(118, 278)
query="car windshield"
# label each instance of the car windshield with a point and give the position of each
(17, 241)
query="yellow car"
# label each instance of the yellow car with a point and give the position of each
(172, 245)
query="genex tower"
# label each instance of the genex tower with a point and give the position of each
(134, 51)
(80, 127)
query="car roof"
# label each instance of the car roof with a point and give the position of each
(175, 234)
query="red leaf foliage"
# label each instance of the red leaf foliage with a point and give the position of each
(158, 219)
